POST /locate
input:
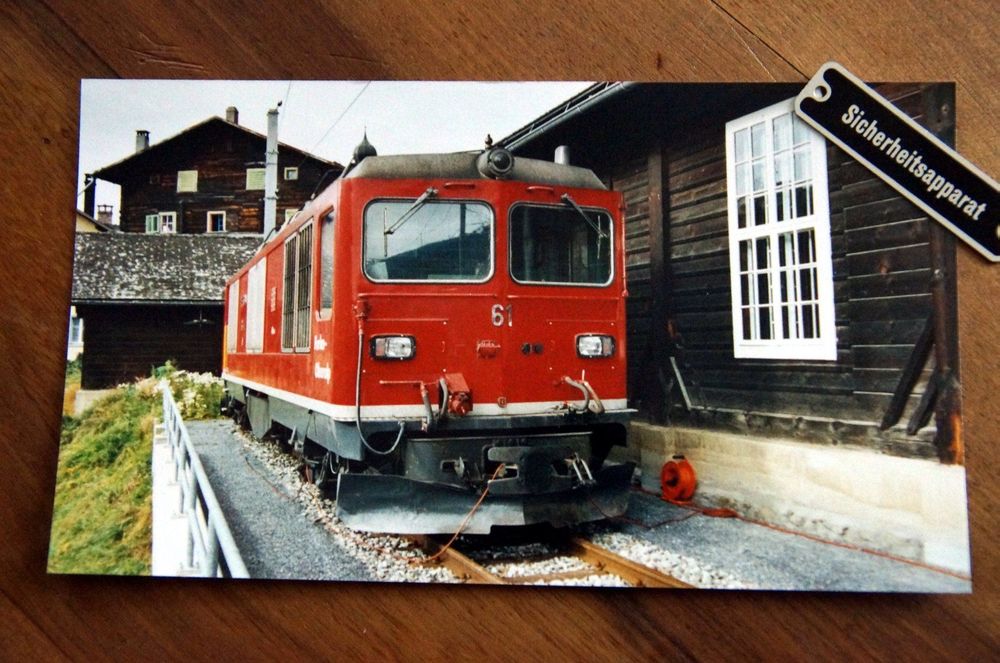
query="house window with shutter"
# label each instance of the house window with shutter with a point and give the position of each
(216, 222)
(152, 223)
(187, 181)
(779, 238)
(255, 179)
(168, 222)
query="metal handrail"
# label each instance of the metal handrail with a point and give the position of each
(208, 532)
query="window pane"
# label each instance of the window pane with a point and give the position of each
(437, 241)
(760, 210)
(757, 139)
(758, 175)
(557, 245)
(806, 254)
(782, 128)
(742, 178)
(805, 285)
(741, 145)
(808, 322)
(782, 168)
(304, 286)
(800, 130)
(803, 201)
(745, 258)
(744, 290)
(741, 211)
(288, 295)
(747, 330)
(326, 263)
(763, 256)
(802, 164)
(764, 317)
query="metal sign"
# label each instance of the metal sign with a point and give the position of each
(907, 156)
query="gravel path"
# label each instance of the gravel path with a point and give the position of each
(732, 553)
(283, 526)
(271, 530)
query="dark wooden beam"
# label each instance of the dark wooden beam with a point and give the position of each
(939, 109)
(908, 379)
(659, 234)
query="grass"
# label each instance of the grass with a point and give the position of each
(102, 518)
(72, 385)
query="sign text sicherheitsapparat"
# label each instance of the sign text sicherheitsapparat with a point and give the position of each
(905, 155)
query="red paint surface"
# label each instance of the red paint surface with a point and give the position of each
(448, 321)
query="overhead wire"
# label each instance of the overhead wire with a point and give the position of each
(337, 120)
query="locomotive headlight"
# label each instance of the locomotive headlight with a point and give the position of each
(591, 346)
(393, 347)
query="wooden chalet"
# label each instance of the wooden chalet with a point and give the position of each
(841, 361)
(209, 178)
(192, 213)
(791, 317)
(150, 298)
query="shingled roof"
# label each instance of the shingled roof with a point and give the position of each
(167, 269)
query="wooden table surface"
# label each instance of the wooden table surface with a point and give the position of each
(48, 46)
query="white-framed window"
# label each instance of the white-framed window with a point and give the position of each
(779, 238)
(168, 222)
(292, 173)
(216, 222)
(161, 222)
(296, 299)
(233, 316)
(255, 179)
(187, 181)
(255, 306)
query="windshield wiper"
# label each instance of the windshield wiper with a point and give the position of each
(431, 192)
(566, 198)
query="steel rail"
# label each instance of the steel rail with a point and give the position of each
(601, 561)
(210, 549)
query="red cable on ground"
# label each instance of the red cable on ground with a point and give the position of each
(465, 521)
(714, 512)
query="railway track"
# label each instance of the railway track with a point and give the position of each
(590, 560)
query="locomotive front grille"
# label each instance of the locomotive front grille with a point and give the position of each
(532, 464)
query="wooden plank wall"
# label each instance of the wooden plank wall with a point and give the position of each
(221, 155)
(48, 46)
(124, 342)
(881, 283)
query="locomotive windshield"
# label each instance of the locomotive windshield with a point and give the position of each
(563, 245)
(437, 241)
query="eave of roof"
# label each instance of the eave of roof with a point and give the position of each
(592, 96)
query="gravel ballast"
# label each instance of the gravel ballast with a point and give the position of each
(286, 528)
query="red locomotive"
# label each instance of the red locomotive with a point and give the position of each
(433, 327)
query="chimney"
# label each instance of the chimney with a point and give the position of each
(233, 115)
(89, 194)
(562, 155)
(271, 173)
(104, 213)
(141, 140)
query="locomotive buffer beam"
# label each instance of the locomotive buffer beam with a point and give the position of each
(384, 503)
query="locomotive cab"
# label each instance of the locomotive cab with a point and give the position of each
(444, 336)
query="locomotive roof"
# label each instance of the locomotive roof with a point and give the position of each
(462, 165)
(170, 269)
